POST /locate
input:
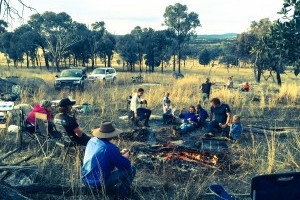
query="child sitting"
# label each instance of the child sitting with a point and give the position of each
(235, 128)
(168, 114)
(245, 87)
(202, 115)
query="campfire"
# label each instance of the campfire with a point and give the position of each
(180, 157)
(209, 159)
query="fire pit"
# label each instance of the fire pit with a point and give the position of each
(179, 156)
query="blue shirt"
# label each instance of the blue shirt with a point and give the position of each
(236, 130)
(188, 116)
(220, 112)
(100, 159)
(202, 114)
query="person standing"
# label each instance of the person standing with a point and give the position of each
(222, 115)
(104, 166)
(206, 89)
(140, 113)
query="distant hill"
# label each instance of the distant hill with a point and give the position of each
(217, 36)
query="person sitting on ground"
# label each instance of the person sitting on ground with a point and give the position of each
(229, 83)
(165, 99)
(70, 123)
(45, 108)
(168, 113)
(206, 88)
(104, 167)
(140, 113)
(202, 115)
(245, 87)
(190, 121)
(235, 128)
(221, 113)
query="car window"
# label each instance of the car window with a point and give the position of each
(111, 71)
(71, 73)
(99, 71)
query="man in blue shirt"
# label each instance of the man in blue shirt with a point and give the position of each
(190, 121)
(104, 166)
(222, 115)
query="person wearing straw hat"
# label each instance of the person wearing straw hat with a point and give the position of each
(70, 123)
(103, 165)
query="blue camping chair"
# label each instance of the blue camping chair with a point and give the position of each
(276, 187)
(220, 193)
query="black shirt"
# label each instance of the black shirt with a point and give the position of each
(68, 122)
(206, 87)
(220, 112)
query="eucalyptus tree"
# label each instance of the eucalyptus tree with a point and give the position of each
(183, 23)
(128, 49)
(59, 32)
(95, 38)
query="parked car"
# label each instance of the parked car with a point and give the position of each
(104, 74)
(71, 79)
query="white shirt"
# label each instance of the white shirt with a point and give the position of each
(167, 110)
(135, 103)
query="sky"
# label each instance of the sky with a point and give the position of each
(121, 16)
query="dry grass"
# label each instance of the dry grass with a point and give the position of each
(252, 156)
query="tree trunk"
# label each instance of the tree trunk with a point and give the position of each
(93, 61)
(57, 64)
(27, 60)
(109, 60)
(162, 66)
(46, 58)
(179, 58)
(259, 72)
(174, 62)
(278, 77)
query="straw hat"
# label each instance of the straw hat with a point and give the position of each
(106, 130)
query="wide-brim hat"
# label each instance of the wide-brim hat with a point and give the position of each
(106, 130)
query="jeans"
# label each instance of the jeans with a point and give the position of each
(167, 118)
(143, 113)
(120, 181)
(215, 125)
(184, 128)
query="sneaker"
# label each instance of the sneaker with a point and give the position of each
(209, 135)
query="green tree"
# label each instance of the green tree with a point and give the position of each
(95, 38)
(137, 33)
(204, 57)
(182, 23)
(107, 47)
(128, 49)
(59, 33)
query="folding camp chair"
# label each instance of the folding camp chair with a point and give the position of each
(276, 187)
(65, 141)
(42, 134)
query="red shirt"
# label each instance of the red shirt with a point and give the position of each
(39, 109)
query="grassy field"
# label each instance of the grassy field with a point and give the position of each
(266, 105)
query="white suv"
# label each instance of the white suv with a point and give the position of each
(104, 74)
